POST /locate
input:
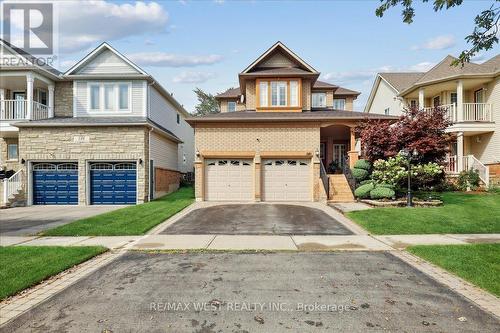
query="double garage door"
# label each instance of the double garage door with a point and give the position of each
(282, 180)
(109, 183)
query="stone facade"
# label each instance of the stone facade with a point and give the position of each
(84, 144)
(250, 101)
(63, 99)
(4, 161)
(166, 181)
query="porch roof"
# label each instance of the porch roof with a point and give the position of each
(253, 116)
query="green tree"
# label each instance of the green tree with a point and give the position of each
(484, 36)
(207, 103)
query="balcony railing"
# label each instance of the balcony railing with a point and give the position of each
(11, 109)
(480, 112)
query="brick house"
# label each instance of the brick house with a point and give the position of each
(282, 135)
(104, 132)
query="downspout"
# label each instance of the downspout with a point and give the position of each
(149, 165)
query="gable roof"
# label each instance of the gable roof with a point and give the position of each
(401, 81)
(280, 47)
(445, 69)
(493, 64)
(345, 91)
(230, 93)
(324, 85)
(97, 51)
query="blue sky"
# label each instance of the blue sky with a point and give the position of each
(188, 44)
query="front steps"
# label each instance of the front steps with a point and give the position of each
(340, 191)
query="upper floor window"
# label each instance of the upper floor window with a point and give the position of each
(339, 104)
(453, 98)
(319, 100)
(436, 101)
(413, 103)
(387, 111)
(279, 94)
(231, 106)
(109, 96)
(478, 96)
(178, 118)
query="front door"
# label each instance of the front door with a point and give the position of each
(339, 154)
(322, 153)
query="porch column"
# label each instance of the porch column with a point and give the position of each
(460, 151)
(421, 99)
(353, 154)
(2, 104)
(29, 96)
(51, 100)
(460, 101)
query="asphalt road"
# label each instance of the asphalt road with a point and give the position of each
(258, 219)
(256, 292)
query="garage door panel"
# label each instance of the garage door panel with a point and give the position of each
(55, 183)
(286, 180)
(228, 180)
(113, 183)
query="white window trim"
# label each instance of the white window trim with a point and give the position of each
(339, 99)
(278, 97)
(17, 152)
(312, 100)
(102, 110)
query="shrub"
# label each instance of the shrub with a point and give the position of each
(364, 191)
(363, 164)
(468, 180)
(367, 181)
(382, 193)
(386, 186)
(359, 174)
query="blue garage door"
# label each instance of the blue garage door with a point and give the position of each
(55, 184)
(113, 183)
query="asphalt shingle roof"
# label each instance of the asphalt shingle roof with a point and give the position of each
(401, 81)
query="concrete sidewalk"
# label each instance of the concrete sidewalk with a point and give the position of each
(255, 242)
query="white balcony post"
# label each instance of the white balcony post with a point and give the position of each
(421, 99)
(51, 101)
(29, 96)
(460, 151)
(4, 194)
(460, 101)
(2, 104)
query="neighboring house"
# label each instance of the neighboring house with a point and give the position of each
(286, 125)
(471, 97)
(104, 132)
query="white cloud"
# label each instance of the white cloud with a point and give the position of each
(83, 24)
(437, 43)
(421, 67)
(479, 58)
(162, 59)
(193, 77)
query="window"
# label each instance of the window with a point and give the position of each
(279, 94)
(12, 151)
(123, 89)
(453, 98)
(42, 97)
(478, 96)
(413, 103)
(109, 97)
(339, 104)
(94, 97)
(436, 101)
(319, 100)
(178, 118)
(387, 111)
(231, 106)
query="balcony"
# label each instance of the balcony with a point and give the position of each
(471, 112)
(14, 110)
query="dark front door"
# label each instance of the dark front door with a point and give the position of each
(322, 153)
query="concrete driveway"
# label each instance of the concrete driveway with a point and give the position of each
(258, 219)
(256, 292)
(24, 221)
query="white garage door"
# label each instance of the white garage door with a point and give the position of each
(286, 180)
(229, 180)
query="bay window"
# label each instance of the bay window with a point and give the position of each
(281, 93)
(319, 100)
(109, 96)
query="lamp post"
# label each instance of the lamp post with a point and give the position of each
(409, 157)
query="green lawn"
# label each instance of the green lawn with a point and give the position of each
(461, 214)
(476, 263)
(133, 220)
(25, 266)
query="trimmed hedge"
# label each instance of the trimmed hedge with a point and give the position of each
(363, 164)
(364, 191)
(359, 174)
(367, 181)
(382, 193)
(386, 186)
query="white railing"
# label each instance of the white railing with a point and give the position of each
(452, 164)
(477, 112)
(40, 111)
(17, 109)
(12, 185)
(471, 162)
(451, 111)
(11, 109)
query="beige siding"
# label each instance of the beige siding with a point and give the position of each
(486, 147)
(385, 98)
(107, 63)
(163, 152)
(250, 95)
(278, 59)
(306, 94)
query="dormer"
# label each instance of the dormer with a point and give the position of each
(278, 81)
